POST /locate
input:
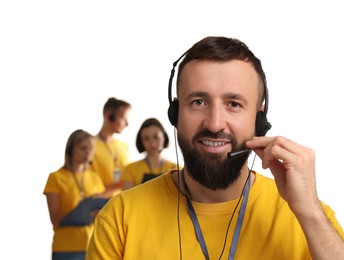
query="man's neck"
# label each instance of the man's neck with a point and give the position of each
(105, 136)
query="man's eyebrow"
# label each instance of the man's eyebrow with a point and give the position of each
(235, 96)
(198, 94)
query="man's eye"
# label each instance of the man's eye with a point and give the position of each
(198, 102)
(234, 104)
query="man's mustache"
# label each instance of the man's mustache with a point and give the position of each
(218, 135)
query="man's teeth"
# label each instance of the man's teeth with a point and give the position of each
(211, 143)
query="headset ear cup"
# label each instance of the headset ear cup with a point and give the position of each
(173, 112)
(112, 117)
(262, 124)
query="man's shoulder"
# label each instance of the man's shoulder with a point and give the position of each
(265, 185)
(121, 144)
(154, 187)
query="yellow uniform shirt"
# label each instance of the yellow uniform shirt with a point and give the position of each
(109, 156)
(62, 182)
(139, 172)
(142, 223)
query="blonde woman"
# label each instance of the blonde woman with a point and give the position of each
(65, 189)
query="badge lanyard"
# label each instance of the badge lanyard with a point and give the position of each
(112, 154)
(238, 226)
(150, 167)
(116, 172)
(81, 184)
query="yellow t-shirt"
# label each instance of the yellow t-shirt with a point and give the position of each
(139, 172)
(62, 182)
(142, 223)
(109, 156)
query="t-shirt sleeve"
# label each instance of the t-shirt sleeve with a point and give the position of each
(51, 185)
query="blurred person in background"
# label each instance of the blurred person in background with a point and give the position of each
(151, 139)
(65, 189)
(111, 154)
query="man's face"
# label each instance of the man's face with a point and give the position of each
(217, 112)
(121, 120)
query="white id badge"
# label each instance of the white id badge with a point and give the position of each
(116, 174)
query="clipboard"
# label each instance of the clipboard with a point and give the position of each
(81, 215)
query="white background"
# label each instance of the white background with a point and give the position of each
(61, 60)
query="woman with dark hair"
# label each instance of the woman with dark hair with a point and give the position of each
(151, 139)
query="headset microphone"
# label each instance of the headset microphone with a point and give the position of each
(233, 155)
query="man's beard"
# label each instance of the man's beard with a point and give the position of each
(210, 170)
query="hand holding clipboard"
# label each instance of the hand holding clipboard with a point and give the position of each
(82, 214)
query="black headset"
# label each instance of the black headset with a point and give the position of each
(262, 123)
(112, 117)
